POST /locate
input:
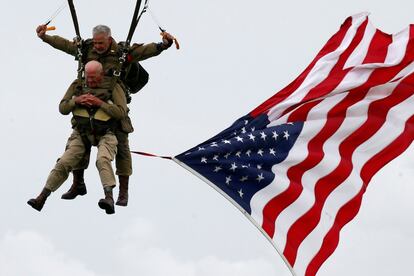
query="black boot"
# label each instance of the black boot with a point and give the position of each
(38, 202)
(107, 203)
(78, 186)
(123, 190)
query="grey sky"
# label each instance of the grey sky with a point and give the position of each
(235, 55)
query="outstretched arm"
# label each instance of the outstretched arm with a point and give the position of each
(141, 52)
(57, 42)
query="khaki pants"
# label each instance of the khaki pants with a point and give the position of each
(123, 159)
(75, 152)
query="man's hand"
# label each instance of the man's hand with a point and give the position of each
(88, 100)
(41, 30)
(167, 39)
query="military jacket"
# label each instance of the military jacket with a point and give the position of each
(114, 105)
(109, 59)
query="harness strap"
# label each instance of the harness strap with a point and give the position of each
(78, 40)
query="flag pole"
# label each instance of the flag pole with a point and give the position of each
(238, 207)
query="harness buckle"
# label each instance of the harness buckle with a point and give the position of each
(117, 73)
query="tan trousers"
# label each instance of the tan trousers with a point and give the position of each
(74, 153)
(123, 159)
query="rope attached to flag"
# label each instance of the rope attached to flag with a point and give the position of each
(151, 155)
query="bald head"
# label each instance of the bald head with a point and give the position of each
(93, 73)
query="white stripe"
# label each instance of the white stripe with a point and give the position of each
(355, 117)
(360, 52)
(360, 73)
(331, 160)
(391, 129)
(319, 72)
(396, 51)
(398, 47)
(296, 155)
(405, 72)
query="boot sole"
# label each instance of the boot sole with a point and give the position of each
(34, 205)
(70, 198)
(121, 203)
(107, 207)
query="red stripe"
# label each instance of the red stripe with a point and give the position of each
(333, 43)
(379, 76)
(350, 210)
(275, 206)
(378, 47)
(335, 117)
(296, 233)
(376, 118)
(385, 74)
(337, 74)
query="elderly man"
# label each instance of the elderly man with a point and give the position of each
(96, 111)
(103, 48)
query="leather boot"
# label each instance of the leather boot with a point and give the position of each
(78, 186)
(38, 202)
(107, 203)
(123, 190)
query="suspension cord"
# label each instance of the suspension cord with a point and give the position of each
(78, 41)
(163, 30)
(56, 13)
(74, 18)
(125, 48)
(135, 19)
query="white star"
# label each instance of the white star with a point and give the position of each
(215, 157)
(286, 135)
(239, 139)
(226, 142)
(234, 133)
(252, 137)
(260, 152)
(238, 153)
(263, 135)
(246, 122)
(217, 169)
(241, 193)
(201, 148)
(244, 178)
(248, 152)
(233, 167)
(253, 129)
(275, 135)
(244, 166)
(244, 130)
(260, 177)
(227, 155)
(214, 144)
(259, 167)
(228, 180)
(203, 160)
(272, 152)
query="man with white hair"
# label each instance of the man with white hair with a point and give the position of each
(96, 111)
(103, 47)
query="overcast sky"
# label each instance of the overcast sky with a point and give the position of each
(235, 55)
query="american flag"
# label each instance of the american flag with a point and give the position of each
(299, 164)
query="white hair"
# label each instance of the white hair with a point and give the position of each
(94, 65)
(101, 29)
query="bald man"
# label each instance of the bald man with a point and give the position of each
(96, 113)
